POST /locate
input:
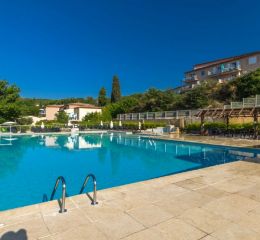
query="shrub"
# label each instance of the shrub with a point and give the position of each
(25, 121)
(62, 117)
(193, 127)
(215, 125)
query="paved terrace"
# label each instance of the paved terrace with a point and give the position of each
(220, 202)
(216, 140)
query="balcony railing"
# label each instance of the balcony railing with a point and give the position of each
(191, 78)
(157, 115)
(224, 70)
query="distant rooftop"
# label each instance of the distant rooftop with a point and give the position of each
(55, 106)
(81, 105)
(73, 105)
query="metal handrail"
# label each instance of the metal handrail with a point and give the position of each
(63, 199)
(94, 199)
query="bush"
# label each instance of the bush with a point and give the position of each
(24, 121)
(132, 125)
(211, 127)
(126, 125)
(46, 129)
(24, 129)
(193, 127)
(215, 125)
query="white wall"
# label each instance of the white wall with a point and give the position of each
(84, 111)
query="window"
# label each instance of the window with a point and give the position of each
(202, 73)
(234, 65)
(252, 60)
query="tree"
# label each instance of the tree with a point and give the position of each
(62, 117)
(28, 107)
(102, 99)
(9, 94)
(116, 91)
(92, 117)
(195, 98)
(91, 100)
(157, 100)
(248, 85)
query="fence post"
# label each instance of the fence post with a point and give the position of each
(255, 123)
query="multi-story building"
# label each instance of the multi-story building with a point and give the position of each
(222, 70)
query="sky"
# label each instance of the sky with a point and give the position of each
(71, 48)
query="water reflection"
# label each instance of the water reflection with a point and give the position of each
(204, 155)
(6, 141)
(72, 142)
(50, 141)
(12, 152)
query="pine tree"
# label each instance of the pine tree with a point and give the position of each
(102, 98)
(116, 92)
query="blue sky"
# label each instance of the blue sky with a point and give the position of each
(62, 48)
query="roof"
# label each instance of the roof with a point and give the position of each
(74, 105)
(82, 105)
(223, 60)
(55, 106)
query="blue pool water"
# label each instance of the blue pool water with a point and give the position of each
(30, 165)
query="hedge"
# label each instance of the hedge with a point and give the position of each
(196, 127)
(129, 125)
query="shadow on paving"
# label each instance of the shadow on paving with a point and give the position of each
(19, 235)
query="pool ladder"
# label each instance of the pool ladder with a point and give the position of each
(64, 191)
(63, 198)
(94, 198)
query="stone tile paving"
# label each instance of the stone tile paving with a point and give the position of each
(220, 202)
(218, 140)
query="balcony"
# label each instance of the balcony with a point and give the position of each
(191, 79)
(224, 70)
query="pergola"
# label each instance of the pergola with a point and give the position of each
(249, 107)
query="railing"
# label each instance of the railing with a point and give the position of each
(158, 115)
(63, 198)
(224, 70)
(94, 198)
(251, 102)
(191, 78)
(236, 105)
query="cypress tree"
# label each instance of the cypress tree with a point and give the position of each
(102, 99)
(116, 92)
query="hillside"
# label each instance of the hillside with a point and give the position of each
(209, 93)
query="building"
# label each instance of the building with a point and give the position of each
(51, 111)
(222, 70)
(75, 111)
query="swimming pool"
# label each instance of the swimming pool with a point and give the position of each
(30, 165)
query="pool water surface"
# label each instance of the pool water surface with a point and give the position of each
(30, 165)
